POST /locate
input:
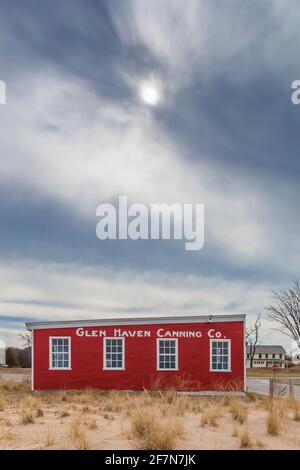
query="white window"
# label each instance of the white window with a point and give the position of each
(114, 353)
(167, 354)
(220, 357)
(60, 352)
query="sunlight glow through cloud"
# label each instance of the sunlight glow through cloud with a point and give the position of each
(150, 93)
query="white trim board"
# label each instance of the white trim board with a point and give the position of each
(32, 361)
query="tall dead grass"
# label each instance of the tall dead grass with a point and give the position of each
(211, 415)
(153, 432)
(239, 411)
(2, 403)
(78, 435)
(274, 423)
(296, 411)
(246, 441)
(26, 417)
(49, 441)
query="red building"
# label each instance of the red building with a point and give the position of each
(184, 353)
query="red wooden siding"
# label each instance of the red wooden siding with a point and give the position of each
(140, 360)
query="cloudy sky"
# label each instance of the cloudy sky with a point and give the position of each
(77, 131)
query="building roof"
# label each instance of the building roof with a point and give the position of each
(266, 349)
(134, 321)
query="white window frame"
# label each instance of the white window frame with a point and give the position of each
(123, 353)
(228, 341)
(50, 353)
(176, 354)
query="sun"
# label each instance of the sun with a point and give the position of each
(149, 94)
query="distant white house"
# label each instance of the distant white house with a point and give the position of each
(267, 356)
(295, 358)
(2, 353)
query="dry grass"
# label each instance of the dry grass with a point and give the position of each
(268, 372)
(8, 436)
(91, 424)
(294, 406)
(211, 416)
(246, 441)
(78, 435)
(15, 370)
(14, 386)
(152, 432)
(274, 424)
(297, 412)
(39, 413)
(235, 431)
(49, 442)
(26, 417)
(238, 410)
(259, 444)
(148, 420)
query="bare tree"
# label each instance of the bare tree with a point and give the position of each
(26, 339)
(252, 338)
(285, 311)
(25, 353)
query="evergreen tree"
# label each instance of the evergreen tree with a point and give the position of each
(12, 359)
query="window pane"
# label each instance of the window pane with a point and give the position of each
(220, 355)
(114, 353)
(60, 351)
(167, 354)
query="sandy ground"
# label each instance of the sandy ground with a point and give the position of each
(99, 420)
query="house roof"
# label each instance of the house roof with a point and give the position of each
(134, 321)
(266, 349)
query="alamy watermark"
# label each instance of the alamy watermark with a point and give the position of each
(2, 92)
(295, 96)
(159, 222)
